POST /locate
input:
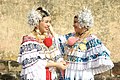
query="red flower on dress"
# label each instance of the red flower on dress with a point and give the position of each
(48, 42)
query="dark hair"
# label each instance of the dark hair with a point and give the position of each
(44, 13)
(76, 16)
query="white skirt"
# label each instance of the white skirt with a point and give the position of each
(79, 74)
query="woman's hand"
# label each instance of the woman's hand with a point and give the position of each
(61, 65)
(64, 63)
(51, 30)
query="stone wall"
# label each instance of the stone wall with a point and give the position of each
(13, 24)
(10, 70)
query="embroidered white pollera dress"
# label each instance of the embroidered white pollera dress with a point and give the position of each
(86, 58)
(34, 56)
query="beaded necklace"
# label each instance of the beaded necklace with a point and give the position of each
(39, 37)
(79, 44)
(49, 53)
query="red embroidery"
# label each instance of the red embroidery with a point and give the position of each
(28, 38)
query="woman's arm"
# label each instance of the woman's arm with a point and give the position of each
(59, 65)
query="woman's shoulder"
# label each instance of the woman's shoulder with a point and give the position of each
(93, 39)
(65, 36)
(69, 35)
(92, 36)
(27, 38)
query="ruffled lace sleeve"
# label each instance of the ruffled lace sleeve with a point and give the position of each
(62, 39)
(98, 56)
(30, 52)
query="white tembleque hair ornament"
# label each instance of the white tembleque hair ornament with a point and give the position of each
(33, 18)
(35, 15)
(85, 18)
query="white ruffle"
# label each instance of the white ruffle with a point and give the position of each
(98, 65)
(34, 72)
(80, 61)
(34, 60)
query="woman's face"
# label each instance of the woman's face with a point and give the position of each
(44, 24)
(77, 27)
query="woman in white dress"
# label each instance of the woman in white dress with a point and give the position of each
(84, 52)
(39, 54)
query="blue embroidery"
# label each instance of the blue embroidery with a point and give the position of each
(85, 59)
(81, 59)
(67, 78)
(62, 48)
(93, 43)
(94, 56)
(68, 35)
(57, 57)
(29, 60)
(24, 77)
(29, 47)
(61, 45)
(90, 44)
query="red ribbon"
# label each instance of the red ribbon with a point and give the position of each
(48, 74)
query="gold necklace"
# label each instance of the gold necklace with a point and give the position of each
(83, 35)
(38, 36)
